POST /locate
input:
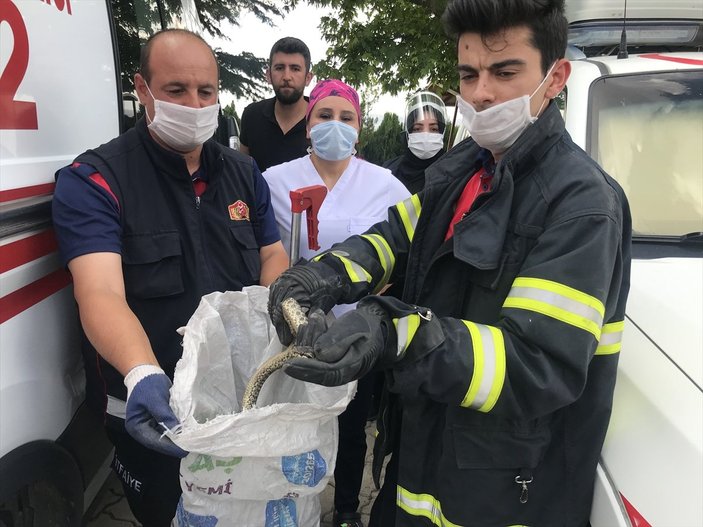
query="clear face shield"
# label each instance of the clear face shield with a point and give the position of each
(425, 112)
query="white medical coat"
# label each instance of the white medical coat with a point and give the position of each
(360, 198)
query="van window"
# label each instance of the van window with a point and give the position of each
(646, 131)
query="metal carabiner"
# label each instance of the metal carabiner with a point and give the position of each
(524, 494)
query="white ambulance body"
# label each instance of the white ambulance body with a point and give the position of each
(63, 65)
(640, 115)
(643, 122)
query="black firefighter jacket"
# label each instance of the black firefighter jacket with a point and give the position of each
(504, 420)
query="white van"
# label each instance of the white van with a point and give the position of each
(637, 109)
(64, 66)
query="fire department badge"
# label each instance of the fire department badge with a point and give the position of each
(239, 211)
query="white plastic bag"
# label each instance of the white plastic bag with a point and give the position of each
(264, 467)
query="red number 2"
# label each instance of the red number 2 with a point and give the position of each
(15, 115)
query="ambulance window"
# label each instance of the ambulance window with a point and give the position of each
(646, 130)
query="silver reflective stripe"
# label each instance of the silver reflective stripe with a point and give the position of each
(557, 300)
(405, 329)
(422, 505)
(611, 338)
(386, 257)
(402, 335)
(409, 211)
(489, 366)
(355, 271)
(116, 407)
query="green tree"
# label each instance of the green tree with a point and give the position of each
(241, 75)
(397, 45)
(383, 143)
(232, 111)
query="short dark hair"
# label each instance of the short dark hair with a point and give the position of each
(145, 54)
(544, 18)
(290, 45)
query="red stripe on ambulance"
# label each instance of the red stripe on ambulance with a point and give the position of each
(26, 192)
(680, 60)
(29, 295)
(27, 249)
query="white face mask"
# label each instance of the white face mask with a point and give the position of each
(498, 127)
(181, 127)
(425, 145)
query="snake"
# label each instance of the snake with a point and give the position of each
(295, 317)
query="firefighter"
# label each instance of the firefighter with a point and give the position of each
(514, 267)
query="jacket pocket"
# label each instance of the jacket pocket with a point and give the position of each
(248, 248)
(519, 240)
(152, 264)
(478, 448)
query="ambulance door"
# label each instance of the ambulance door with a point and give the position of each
(64, 66)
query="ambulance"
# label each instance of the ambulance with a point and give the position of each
(65, 86)
(634, 102)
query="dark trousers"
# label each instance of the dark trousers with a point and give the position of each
(351, 453)
(149, 479)
(384, 507)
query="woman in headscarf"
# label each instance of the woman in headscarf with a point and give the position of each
(425, 122)
(358, 195)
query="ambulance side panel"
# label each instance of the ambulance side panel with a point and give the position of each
(58, 96)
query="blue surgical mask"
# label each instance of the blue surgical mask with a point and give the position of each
(333, 140)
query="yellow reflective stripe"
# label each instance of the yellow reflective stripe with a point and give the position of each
(355, 272)
(405, 329)
(611, 338)
(409, 211)
(489, 367)
(423, 505)
(385, 256)
(557, 301)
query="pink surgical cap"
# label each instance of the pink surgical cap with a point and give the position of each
(333, 88)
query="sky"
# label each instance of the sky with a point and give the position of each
(256, 37)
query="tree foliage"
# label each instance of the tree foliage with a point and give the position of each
(396, 45)
(384, 143)
(241, 75)
(232, 112)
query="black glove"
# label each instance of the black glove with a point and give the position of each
(345, 350)
(314, 285)
(348, 348)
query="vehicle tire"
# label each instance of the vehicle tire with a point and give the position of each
(40, 486)
(39, 504)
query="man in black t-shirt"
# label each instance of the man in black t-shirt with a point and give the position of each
(273, 130)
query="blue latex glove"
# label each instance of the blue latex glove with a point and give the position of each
(148, 412)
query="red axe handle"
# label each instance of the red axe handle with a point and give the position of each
(308, 199)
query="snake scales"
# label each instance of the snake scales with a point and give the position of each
(295, 317)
